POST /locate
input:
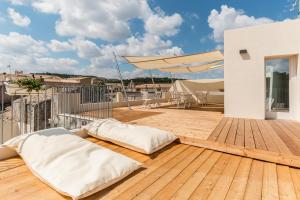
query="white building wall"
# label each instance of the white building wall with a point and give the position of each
(245, 76)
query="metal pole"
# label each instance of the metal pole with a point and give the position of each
(155, 89)
(174, 90)
(174, 83)
(120, 75)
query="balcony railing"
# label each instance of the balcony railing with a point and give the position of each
(55, 106)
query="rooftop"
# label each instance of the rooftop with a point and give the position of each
(215, 158)
(179, 171)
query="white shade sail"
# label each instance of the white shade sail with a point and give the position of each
(193, 69)
(214, 86)
(159, 62)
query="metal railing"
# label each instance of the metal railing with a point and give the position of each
(55, 106)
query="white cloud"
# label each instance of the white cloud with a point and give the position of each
(163, 25)
(23, 52)
(17, 18)
(87, 21)
(19, 2)
(293, 4)
(230, 18)
(194, 16)
(204, 39)
(46, 6)
(86, 48)
(103, 64)
(58, 46)
(220, 46)
(107, 20)
(15, 43)
(56, 64)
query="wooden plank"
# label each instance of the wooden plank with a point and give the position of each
(259, 141)
(240, 133)
(38, 191)
(293, 126)
(215, 133)
(164, 180)
(155, 175)
(295, 173)
(255, 181)
(232, 132)
(267, 137)
(285, 184)
(223, 134)
(168, 191)
(288, 130)
(249, 139)
(223, 184)
(270, 185)
(10, 163)
(204, 189)
(188, 188)
(274, 157)
(282, 148)
(151, 166)
(287, 138)
(239, 183)
(19, 185)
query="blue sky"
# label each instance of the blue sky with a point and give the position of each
(79, 36)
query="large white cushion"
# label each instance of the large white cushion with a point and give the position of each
(71, 165)
(139, 138)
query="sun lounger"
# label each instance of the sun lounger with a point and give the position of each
(69, 164)
(138, 138)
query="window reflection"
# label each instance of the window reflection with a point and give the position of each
(277, 85)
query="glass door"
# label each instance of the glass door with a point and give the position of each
(277, 85)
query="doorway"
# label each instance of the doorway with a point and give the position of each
(277, 86)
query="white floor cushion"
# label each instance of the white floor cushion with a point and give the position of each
(69, 164)
(139, 138)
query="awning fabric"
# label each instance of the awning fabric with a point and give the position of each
(193, 69)
(159, 62)
(192, 86)
(214, 86)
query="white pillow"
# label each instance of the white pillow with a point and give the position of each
(139, 138)
(69, 164)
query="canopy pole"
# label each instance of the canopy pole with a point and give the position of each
(150, 71)
(120, 76)
(155, 89)
(174, 85)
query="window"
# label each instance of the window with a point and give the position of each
(277, 85)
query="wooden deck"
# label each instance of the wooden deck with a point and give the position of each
(227, 158)
(177, 172)
(280, 136)
(193, 123)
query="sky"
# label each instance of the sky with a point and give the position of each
(80, 36)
